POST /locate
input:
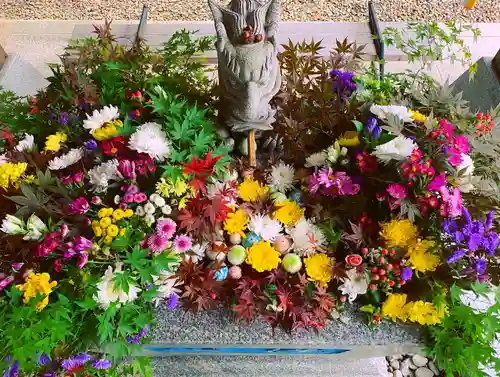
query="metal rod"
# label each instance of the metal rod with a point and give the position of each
(378, 41)
(143, 21)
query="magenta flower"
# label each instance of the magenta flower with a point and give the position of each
(79, 206)
(166, 228)
(57, 265)
(182, 243)
(437, 182)
(461, 143)
(332, 183)
(128, 197)
(82, 260)
(397, 191)
(127, 169)
(5, 282)
(157, 243)
(452, 203)
(140, 197)
(78, 177)
(81, 243)
(455, 158)
(96, 200)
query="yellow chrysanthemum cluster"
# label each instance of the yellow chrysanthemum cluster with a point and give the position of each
(54, 142)
(400, 233)
(262, 256)
(288, 212)
(10, 173)
(425, 313)
(419, 256)
(108, 130)
(106, 227)
(35, 284)
(179, 190)
(349, 139)
(319, 268)
(251, 190)
(236, 222)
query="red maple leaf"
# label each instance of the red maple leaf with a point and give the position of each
(7, 135)
(188, 220)
(244, 310)
(286, 300)
(200, 169)
(217, 210)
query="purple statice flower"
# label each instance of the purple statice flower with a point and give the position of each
(134, 339)
(90, 145)
(76, 361)
(101, 364)
(63, 118)
(173, 299)
(144, 331)
(479, 266)
(373, 128)
(406, 273)
(13, 370)
(166, 228)
(157, 243)
(44, 359)
(182, 243)
(456, 256)
(343, 84)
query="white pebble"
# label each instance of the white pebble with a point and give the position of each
(395, 364)
(419, 361)
(424, 372)
(397, 373)
(235, 239)
(433, 368)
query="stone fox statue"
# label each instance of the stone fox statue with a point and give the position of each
(249, 72)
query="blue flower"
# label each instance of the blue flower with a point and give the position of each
(90, 145)
(450, 226)
(173, 299)
(479, 266)
(343, 84)
(490, 243)
(474, 242)
(456, 256)
(373, 127)
(13, 369)
(145, 330)
(134, 339)
(43, 359)
(406, 273)
(76, 361)
(101, 364)
(63, 118)
(489, 219)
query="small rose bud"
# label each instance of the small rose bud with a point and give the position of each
(384, 252)
(364, 251)
(381, 272)
(373, 287)
(381, 260)
(392, 252)
(383, 278)
(388, 266)
(391, 283)
(342, 298)
(375, 277)
(374, 270)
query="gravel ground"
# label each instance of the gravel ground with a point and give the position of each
(297, 10)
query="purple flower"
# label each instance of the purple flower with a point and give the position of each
(5, 282)
(490, 243)
(450, 226)
(134, 340)
(144, 332)
(489, 219)
(43, 359)
(81, 243)
(474, 242)
(458, 237)
(482, 278)
(406, 273)
(13, 370)
(466, 215)
(373, 127)
(63, 118)
(437, 182)
(166, 228)
(90, 145)
(456, 256)
(101, 364)
(127, 169)
(332, 183)
(80, 206)
(182, 243)
(76, 361)
(343, 84)
(157, 243)
(173, 299)
(82, 260)
(479, 266)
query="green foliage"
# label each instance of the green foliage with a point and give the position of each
(463, 340)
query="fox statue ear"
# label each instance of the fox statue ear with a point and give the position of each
(228, 24)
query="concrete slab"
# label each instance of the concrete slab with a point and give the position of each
(20, 76)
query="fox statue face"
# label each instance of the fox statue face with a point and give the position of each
(249, 72)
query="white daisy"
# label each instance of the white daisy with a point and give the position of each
(307, 238)
(397, 149)
(103, 173)
(400, 111)
(99, 117)
(281, 177)
(26, 144)
(149, 208)
(316, 159)
(65, 160)
(265, 226)
(149, 138)
(354, 284)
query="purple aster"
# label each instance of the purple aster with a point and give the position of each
(490, 243)
(173, 299)
(456, 256)
(101, 364)
(182, 243)
(474, 242)
(63, 118)
(479, 266)
(90, 145)
(166, 228)
(406, 273)
(144, 332)
(373, 127)
(157, 243)
(43, 359)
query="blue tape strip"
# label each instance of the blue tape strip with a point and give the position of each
(245, 351)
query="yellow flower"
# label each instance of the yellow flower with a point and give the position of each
(10, 173)
(108, 240)
(35, 284)
(288, 212)
(53, 142)
(319, 268)
(29, 179)
(118, 214)
(251, 190)
(262, 256)
(112, 230)
(122, 232)
(236, 222)
(129, 213)
(394, 307)
(182, 202)
(108, 130)
(104, 212)
(415, 115)
(400, 233)
(420, 258)
(424, 313)
(349, 139)
(97, 230)
(166, 187)
(105, 222)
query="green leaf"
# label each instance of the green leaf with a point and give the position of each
(359, 126)
(127, 128)
(201, 143)
(137, 258)
(121, 243)
(173, 172)
(367, 309)
(87, 304)
(166, 261)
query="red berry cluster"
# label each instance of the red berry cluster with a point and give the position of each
(249, 37)
(384, 273)
(484, 124)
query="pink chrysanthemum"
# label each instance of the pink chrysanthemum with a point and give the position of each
(182, 243)
(157, 243)
(166, 228)
(397, 191)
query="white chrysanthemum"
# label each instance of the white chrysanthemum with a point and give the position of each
(149, 138)
(354, 284)
(400, 111)
(307, 238)
(281, 177)
(166, 285)
(99, 117)
(316, 159)
(397, 149)
(26, 144)
(265, 226)
(65, 160)
(197, 252)
(108, 292)
(149, 208)
(103, 173)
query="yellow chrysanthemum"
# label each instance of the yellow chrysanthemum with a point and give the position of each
(105, 222)
(415, 115)
(424, 313)
(349, 139)
(97, 231)
(319, 268)
(105, 212)
(420, 258)
(251, 190)
(167, 188)
(236, 222)
(112, 230)
(108, 240)
(118, 214)
(128, 213)
(10, 173)
(108, 130)
(262, 256)
(288, 212)
(394, 307)
(53, 142)
(35, 284)
(400, 233)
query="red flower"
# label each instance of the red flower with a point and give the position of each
(354, 259)
(113, 146)
(8, 136)
(200, 169)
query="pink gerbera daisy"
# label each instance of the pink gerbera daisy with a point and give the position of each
(182, 243)
(157, 243)
(166, 228)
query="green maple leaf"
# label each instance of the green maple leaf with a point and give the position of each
(201, 143)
